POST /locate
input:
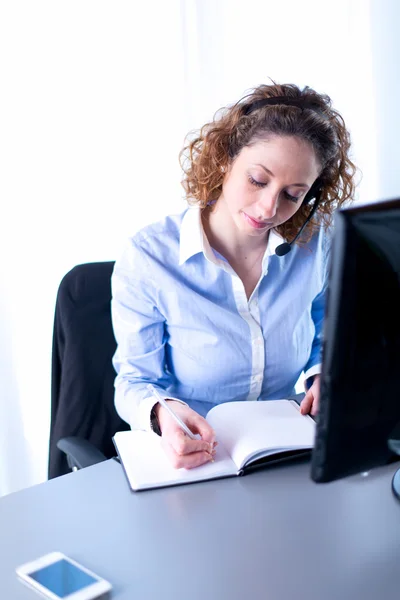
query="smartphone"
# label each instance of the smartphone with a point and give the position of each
(56, 576)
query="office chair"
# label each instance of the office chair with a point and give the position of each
(83, 417)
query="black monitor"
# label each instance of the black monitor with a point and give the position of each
(359, 415)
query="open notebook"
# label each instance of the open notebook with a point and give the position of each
(247, 433)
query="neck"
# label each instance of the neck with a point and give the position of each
(224, 236)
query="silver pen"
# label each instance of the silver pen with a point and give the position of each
(165, 405)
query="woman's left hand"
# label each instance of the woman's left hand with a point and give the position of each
(310, 402)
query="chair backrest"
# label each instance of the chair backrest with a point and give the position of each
(82, 394)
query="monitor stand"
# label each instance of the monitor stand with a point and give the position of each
(394, 445)
(396, 484)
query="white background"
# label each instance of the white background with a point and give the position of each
(95, 100)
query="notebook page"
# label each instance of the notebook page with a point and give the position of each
(247, 428)
(147, 466)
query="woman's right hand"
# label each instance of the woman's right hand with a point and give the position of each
(180, 449)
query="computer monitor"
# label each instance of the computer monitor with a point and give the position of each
(360, 381)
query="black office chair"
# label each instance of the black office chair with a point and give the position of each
(83, 416)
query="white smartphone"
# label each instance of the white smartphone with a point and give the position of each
(57, 576)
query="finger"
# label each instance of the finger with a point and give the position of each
(191, 461)
(186, 461)
(199, 425)
(183, 444)
(306, 403)
(315, 405)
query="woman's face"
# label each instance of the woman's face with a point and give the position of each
(267, 182)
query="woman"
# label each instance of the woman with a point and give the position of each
(203, 307)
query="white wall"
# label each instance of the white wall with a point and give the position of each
(96, 99)
(385, 17)
(90, 136)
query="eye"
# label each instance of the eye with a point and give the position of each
(255, 182)
(291, 198)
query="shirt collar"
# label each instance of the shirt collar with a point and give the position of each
(274, 240)
(193, 240)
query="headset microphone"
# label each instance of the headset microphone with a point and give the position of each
(314, 192)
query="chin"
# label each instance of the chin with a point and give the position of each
(259, 232)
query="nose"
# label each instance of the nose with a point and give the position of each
(267, 205)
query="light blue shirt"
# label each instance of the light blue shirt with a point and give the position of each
(183, 323)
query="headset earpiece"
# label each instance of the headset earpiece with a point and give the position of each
(314, 191)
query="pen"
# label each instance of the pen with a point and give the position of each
(165, 405)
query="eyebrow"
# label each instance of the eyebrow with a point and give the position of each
(272, 175)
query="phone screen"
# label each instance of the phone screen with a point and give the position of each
(62, 578)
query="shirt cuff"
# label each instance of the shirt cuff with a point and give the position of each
(315, 370)
(143, 415)
(310, 374)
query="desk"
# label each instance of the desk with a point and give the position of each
(271, 535)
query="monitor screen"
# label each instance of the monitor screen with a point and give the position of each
(360, 380)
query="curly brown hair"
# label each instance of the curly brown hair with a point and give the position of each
(207, 156)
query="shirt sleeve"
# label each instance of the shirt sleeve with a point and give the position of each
(314, 364)
(139, 329)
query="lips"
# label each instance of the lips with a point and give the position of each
(254, 223)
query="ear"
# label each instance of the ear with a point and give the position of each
(314, 191)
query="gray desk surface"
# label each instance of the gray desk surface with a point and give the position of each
(271, 535)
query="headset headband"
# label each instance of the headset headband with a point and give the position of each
(302, 103)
